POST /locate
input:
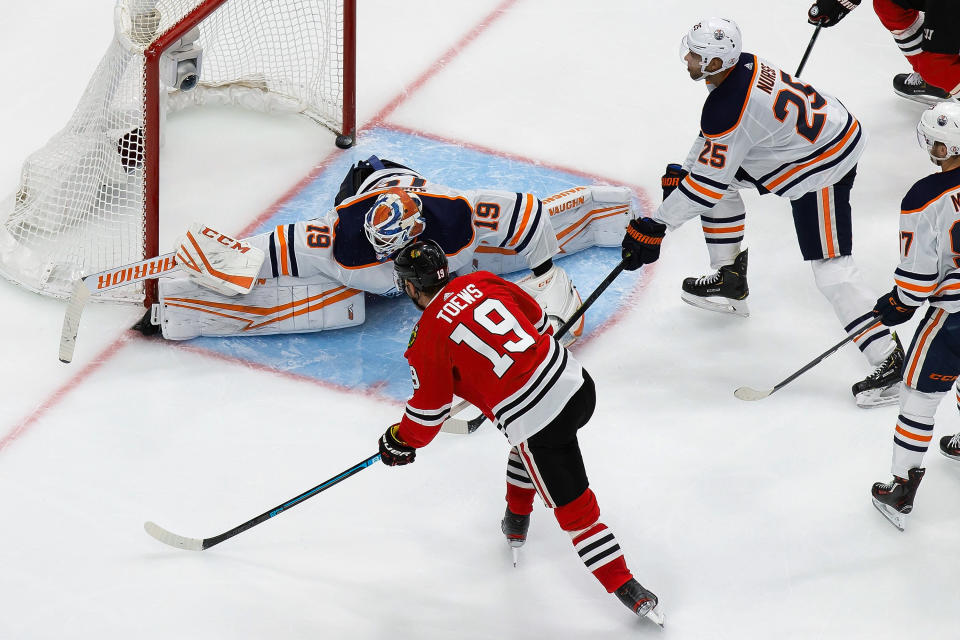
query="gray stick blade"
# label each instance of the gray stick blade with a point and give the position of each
(749, 394)
(172, 539)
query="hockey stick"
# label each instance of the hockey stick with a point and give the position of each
(104, 281)
(196, 544)
(750, 394)
(806, 54)
(453, 425)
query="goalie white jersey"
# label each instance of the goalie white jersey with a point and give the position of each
(761, 128)
(929, 239)
(316, 271)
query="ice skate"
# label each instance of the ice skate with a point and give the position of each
(950, 446)
(912, 87)
(724, 291)
(148, 324)
(640, 600)
(515, 528)
(894, 499)
(882, 387)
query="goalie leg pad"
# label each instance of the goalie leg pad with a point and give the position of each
(276, 305)
(585, 217)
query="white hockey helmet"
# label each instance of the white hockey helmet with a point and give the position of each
(393, 221)
(713, 38)
(940, 123)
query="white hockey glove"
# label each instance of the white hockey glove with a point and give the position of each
(559, 298)
(218, 261)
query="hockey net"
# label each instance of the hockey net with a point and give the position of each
(88, 200)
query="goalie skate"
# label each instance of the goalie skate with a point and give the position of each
(894, 499)
(725, 291)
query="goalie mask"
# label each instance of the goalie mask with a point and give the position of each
(940, 123)
(713, 38)
(393, 221)
(423, 264)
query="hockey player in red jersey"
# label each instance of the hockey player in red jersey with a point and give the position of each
(927, 33)
(928, 272)
(487, 341)
(762, 129)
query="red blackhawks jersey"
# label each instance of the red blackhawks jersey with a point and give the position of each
(487, 341)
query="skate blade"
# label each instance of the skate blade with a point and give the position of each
(515, 553)
(733, 307)
(927, 100)
(897, 519)
(654, 615)
(949, 455)
(878, 397)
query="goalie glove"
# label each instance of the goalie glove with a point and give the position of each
(559, 298)
(218, 261)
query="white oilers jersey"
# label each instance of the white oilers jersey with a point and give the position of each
(930, 243)
(761, 127)
(461, 222)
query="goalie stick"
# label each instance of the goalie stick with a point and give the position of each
(198, 544)
(461, 426)
(751, 394)
(104, 281)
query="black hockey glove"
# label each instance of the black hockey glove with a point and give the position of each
(671, 178)
(641, 242)
(827, 13)
(394, 452)
(891, 310)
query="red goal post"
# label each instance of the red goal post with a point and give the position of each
(89, 200)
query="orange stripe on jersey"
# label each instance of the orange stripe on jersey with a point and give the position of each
(485, 248)
(746, 100)
(914, 287)
(723, 229)
(523, 223)
(934, 320)
(953, 286)
(820, 158)
(282, 240)
(827, 226)
(703, 190)
(928, 202)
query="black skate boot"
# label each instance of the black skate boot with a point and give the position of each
(895, 499)
(515, 528)
(729, 283)
(882, 387)
(640, 600)
(912, 87)
(950, 446)
(145, 324)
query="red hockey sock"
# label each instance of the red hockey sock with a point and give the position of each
(594, 542)
(519, 500)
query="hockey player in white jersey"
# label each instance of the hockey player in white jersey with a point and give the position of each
(928, 272)
(316, 271)
(762, 129)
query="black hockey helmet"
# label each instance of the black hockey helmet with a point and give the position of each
(422, 263)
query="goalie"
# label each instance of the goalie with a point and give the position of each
(312, 275)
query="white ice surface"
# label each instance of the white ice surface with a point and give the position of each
(750, 520)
